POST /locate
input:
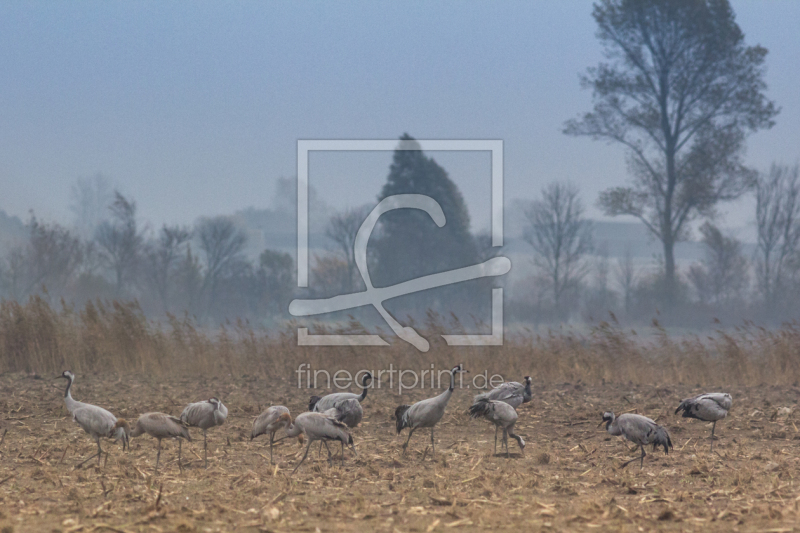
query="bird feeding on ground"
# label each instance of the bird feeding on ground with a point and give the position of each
(96, 421)
(270, 421)
(513, 393)
(162, 426)
(205, 415)
(318, 426)
(639, 430)
(426, 413)
(708, 407)
(351, 413)
(502, 415)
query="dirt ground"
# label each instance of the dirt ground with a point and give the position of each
(568, 480)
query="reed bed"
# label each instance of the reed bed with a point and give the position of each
(116, 337)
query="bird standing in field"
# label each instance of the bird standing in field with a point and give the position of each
(205, 415)
(502, 415)
(270, 421)
(350, 412)
(512, 392)
(708, 407)
(639, 430)
(426, 413)
(162, 426)
(318, 426)
(94, 420)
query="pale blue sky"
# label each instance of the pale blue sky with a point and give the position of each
(195, 107)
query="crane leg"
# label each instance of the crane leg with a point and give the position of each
(330, 461)
(713, 426)
(158, 455)
(342, 452)
(407, 440)
(433, 443)
(495, 440)
(205, 448)
(99, 451)
(180, 447)
(641, 459)
(271, 438)
(505, 441)
(304, 457)
(516, 438)
(320, 449)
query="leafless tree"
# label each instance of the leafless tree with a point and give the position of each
(778, 223)
(121, 241)
(222, 244)
(342, 230)
(560, 237)
(627, 277)
(89, 201)
(681, 90)
(161, 260)
(722, 275)
(49, 259)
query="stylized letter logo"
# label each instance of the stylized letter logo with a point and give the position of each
(497, 266)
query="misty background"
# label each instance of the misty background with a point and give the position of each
(149, 153)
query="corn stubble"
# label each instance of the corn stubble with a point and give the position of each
(568, 480)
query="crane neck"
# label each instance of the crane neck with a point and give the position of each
(528, 388)
(363, 390)
(452, 380)
(69, 386)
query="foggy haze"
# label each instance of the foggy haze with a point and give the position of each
(196, 111)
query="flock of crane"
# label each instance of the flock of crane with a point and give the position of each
(329, 418)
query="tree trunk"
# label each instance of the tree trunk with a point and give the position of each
(669, 270)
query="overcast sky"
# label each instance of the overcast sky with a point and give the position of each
(195, 108)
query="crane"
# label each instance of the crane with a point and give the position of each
(639, 430)
(708, 407)
(502, 415)
(205, 415)
(512, 392)
(94, 420)
(162, 426)
(270, 421)
(426, 413)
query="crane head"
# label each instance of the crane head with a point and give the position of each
(527, 380)
(608, 418)
(66, 374)
(459, 368)
(121, 431)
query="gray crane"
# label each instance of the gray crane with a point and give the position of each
(319, 404)
(639, 430)
(162, 426)
(708, 407)
(502, 415)
(205, 415)
(319, 426)
(270, 421)
(426, 413)
(94, 420)
(512, 392)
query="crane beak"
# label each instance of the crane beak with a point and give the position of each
(601, 423)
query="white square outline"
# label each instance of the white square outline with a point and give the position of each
(305, 146)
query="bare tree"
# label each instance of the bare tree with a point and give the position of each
(627, 277)
(778, 223)
(161, 259)
(722, 275)
(222, 244)
(681, 91)
(277, 274)
(560, 236)
(89, 201)
(121, 242)
(49, 260)
(342, 230)
(600, 298)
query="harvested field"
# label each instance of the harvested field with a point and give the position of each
(568, 480)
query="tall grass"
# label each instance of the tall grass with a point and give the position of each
(116, 337)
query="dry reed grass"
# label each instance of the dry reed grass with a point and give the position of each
(116, 337)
